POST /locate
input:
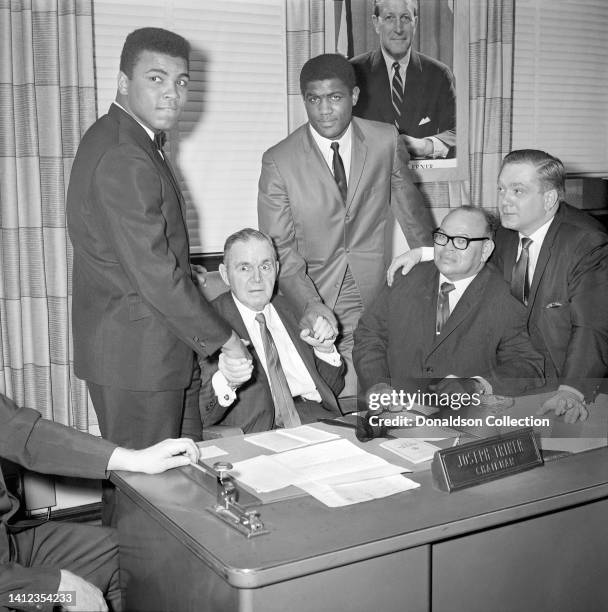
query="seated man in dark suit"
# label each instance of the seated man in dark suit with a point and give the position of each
(406, 88)
(453, 319)
(42, 566)
(294, 377)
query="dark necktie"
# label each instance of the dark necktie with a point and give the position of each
(520, 283)
(284, 408)
(159, 140)
(443, 306)
(397, 93)
(338, 168)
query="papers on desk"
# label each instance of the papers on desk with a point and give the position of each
(411, 449)
(337, 473)
(280, 440)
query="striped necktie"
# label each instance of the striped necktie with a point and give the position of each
(520, 283)
(397, 93)
(443, 306)
(338, 170)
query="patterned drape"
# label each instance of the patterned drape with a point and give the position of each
(491, 93)
(47, 100)
(305, 39)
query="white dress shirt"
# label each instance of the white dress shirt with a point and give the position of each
(345, 148)
(537, 238)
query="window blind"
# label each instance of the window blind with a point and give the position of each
(237, 101)
(560, 86)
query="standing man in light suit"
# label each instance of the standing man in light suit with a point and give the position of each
(326, 194)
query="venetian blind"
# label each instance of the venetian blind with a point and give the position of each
(237, 102)
(560, 87)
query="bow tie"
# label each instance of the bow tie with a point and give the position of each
(159, 140)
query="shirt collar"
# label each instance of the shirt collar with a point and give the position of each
(247, 313)
(538, 236)
(148, 130)
(325, 143)
(389, 61)
(459, 285)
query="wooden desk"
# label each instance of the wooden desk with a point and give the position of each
(534, 541)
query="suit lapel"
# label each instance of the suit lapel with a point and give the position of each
(358, 154)
(413, 82)
(381, 86)
(317, 164)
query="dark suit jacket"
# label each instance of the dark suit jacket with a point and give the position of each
(429, 93)
(137, 315)
(567, 313)
(485, 335)
(44, 446)
(317, 236)
(253, 409)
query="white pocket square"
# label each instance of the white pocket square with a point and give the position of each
(425, 120)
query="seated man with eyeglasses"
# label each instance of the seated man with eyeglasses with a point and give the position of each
(451, 325)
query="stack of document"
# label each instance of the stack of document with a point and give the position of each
(337, 473)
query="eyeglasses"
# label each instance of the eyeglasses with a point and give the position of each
(392, 19)
(459, 242)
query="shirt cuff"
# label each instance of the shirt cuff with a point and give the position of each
(225, 393)
(572, 390)
(440, 150)
(333, 358)
(427, 253)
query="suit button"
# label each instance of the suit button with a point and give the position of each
(347, 217)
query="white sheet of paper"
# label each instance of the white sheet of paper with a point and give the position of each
(211, 451)
(411, 449)
(262, 474)
(281, 440)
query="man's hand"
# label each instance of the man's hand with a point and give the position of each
(322, 329)
(418, 147)
(457, 386)
(235, 348)
(315, 319)
(199, 275)
(236, 371)
(87, 597)
(406, 261)
(566, 403)
(155, 459)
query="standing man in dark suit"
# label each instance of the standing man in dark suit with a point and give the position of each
(312, 369)
(452, 320)
(42, 566)
(325, 197)
(410, 90)
(137, 314)
(555, 258)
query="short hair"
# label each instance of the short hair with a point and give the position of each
(549, 170)
(245, 235)
(412, 3)
(152, 39)
(327, 66)
(491, 220)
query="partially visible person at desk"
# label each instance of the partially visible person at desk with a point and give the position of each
(452, 320)
(555, 259)
(295, 376)
(57, 558)
(327, 194)
(408, 89)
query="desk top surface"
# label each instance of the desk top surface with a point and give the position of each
(306, 536)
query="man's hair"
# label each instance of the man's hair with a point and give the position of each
(151, 39)
(245, 235)
(327, 66)
(549, 170)
(412, 3)
(491, 220)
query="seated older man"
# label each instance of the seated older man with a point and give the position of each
(452, 320)
(48, 564)
(295, 375)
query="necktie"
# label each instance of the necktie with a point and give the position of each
(443, 306)
(338, 169)
(397, 93)
(159, 140)
(520, 283)
(284, 408)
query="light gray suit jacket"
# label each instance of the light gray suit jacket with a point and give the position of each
(316, 234)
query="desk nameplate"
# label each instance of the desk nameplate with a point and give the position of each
(484, 460)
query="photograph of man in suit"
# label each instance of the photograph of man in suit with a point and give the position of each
(138, 317)
(62, 558)
(295, 377)
(326, 193)
(404, 87)
(451, 322)
(555, 258)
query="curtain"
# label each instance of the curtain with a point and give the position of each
(491, 93)
(305, 39)
(47, 100)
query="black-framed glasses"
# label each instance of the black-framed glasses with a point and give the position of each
(459, 242)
